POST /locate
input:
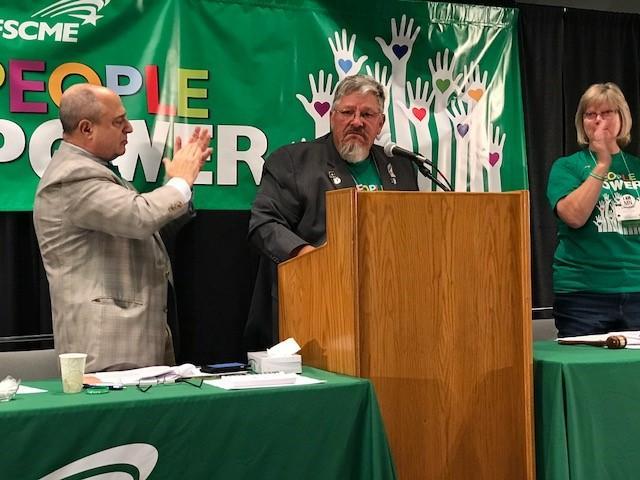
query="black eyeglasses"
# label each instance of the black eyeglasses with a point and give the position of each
(145, 385)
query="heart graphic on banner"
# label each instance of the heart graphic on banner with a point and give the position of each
(400, 50)
(419, 113)
(443, 84)
(345, 65)
(493, 158)
(322, 107)
(462, 128)
(476, 94)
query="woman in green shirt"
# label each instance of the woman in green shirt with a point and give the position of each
(595, 194)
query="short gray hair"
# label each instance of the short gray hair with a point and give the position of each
(359, 84)
(79, 102)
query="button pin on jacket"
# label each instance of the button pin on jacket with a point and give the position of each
(334, 178)
(391, 173)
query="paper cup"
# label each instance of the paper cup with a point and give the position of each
(72, 371)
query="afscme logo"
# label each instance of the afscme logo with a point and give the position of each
(84, 10)
(130, 461)
(33, 30)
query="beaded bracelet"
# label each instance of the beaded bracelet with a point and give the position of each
(595, 175)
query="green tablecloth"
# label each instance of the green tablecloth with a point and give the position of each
(587, 411)
(326, 431)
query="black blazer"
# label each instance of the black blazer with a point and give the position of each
(289, 212)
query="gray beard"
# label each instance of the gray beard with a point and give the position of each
(353, 152)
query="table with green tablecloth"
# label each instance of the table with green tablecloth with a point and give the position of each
(587, 411)
(331, 430)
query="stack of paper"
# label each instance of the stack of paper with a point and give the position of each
(148, 375)
(259, 380)
(262, 380)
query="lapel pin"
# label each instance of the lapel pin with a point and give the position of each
(391, 173)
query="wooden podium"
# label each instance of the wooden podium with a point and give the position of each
(428, 295)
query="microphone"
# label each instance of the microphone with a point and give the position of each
(391, 149)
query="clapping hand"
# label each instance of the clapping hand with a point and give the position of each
(188, 159)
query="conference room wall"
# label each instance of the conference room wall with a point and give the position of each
(562, 52)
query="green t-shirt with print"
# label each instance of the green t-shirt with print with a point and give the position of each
(366, 176)
(602, 256)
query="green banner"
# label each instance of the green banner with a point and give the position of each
(261, 74)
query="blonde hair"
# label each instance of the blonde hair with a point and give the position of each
(610, 94)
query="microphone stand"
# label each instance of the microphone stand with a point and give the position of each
(425, 172)
(391, 149)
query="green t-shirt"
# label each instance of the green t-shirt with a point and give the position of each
(366, 176)
(602, 256)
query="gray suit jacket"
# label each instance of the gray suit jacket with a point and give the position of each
(106, 264)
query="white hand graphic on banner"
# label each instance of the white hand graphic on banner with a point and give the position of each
(475, 87)
(493, 161)
(381, 77)
(345, 62)
(319, 106)
(475, 90)
(418, 112)
(460, 119)
(444, 84)
(442, 79)
(398, 51)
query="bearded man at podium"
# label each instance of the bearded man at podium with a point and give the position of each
(288, 215)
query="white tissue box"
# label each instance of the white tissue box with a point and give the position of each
(260, 362)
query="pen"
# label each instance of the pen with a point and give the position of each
(110, 386)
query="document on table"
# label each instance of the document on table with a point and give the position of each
(24, 389)
(157, 374)
(632, 336)
(262, 380)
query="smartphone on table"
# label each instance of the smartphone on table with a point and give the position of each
(220, 368)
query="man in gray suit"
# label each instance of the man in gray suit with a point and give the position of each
(107, 266)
